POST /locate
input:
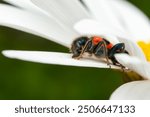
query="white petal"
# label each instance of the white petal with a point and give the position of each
(26, 4)
(54, 58)
(66, 11)
(35, 24)
(132, 47)
(137, 90)
(87, 26)
(133, 20)
(135, 64)
(101, 11)
(92, 27)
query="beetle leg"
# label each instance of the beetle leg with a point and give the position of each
(83, 49)
(106, 54)
(102, 47)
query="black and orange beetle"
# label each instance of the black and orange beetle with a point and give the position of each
(98, 46)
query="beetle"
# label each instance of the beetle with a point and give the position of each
(98, 46)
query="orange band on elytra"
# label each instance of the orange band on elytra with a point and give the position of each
(109, 46)
(96, 40)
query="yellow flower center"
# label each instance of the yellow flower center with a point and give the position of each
(146, 49)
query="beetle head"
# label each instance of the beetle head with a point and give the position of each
(77, 46)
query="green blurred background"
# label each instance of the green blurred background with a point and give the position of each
(27, 80)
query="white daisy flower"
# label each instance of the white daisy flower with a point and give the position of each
(63, 21)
